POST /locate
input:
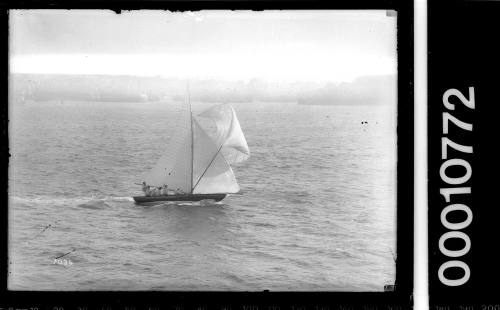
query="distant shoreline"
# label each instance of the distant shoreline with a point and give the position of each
(365, 90)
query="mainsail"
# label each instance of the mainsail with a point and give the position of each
(174, 167)
(194, 163)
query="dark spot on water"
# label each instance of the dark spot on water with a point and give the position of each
(267, 225)
(298, 262)
(279, 269)
(303, 194)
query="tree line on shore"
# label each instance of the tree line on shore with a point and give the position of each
(106, 88)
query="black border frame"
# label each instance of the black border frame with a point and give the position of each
(462, 53)
(400, 298)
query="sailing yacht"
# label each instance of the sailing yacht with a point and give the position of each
(196, 166)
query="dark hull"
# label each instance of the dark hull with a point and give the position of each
(180, 197)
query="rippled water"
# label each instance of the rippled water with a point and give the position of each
(317, 210)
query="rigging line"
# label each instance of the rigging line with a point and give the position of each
(222, 144)
(206, 169)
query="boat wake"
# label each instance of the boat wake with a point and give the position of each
(82, 201)
(94, 205)
(202, 203)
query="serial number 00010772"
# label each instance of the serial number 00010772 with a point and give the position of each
(458, 188)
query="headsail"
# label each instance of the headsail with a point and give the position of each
(174, 167)
(211, 172)
(229, 133)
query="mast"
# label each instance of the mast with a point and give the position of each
(192, 138)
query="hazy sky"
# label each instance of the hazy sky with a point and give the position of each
(273, 45)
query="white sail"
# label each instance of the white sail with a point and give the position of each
(229, 134)
(211, 172)
(219, 178)
(193, 162)
(174, 167)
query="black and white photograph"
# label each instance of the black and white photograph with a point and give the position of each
(210, 150)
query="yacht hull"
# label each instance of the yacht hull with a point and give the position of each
(179, 197)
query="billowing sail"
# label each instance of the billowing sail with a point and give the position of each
(229, 133)
(193, 162)
(211, 171)
(174, 167)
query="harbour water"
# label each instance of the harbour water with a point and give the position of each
(317, 209)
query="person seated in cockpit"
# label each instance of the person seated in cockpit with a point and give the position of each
(164, 190)
(146, 189)
(156, 191)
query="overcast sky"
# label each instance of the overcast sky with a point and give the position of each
(273, 45)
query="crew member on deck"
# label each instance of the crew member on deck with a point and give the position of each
(164, 190)
(145, 188)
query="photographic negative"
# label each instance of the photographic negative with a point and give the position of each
(202, 150)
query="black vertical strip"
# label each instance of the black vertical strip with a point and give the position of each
(4, 148)
(464, 52)
(404, 265)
